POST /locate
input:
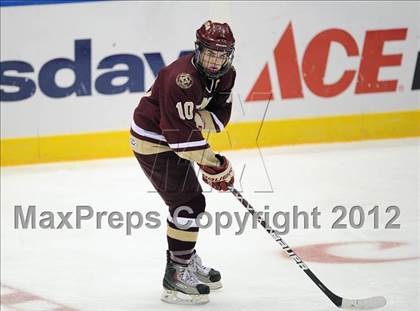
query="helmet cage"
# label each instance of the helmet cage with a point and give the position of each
(199, 47)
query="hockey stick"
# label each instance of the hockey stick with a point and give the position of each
(343, 303)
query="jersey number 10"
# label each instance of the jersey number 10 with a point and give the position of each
(186, 110)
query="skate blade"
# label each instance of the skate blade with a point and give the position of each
(214, 286)
(175, 297)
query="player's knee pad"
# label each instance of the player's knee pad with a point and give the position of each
(190, 209)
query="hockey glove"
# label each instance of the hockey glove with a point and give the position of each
(219, 177)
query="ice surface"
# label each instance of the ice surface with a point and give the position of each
(106, 269)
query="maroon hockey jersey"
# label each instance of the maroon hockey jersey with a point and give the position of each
(166, 114)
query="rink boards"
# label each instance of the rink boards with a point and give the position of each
(306, 73)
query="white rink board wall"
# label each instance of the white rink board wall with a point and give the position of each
(131, 41)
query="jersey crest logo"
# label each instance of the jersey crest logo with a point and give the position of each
(184, 80)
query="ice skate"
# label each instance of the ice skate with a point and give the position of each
(205, 275)
(181, 286)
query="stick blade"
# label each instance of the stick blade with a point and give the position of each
(363, 304)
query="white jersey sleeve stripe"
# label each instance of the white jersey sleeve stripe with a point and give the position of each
(188, 144)
(146, 133)
(217, 121)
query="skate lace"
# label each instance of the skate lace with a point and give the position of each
(188, 276)
(198, 265)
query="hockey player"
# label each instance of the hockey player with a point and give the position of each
(191, 94)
